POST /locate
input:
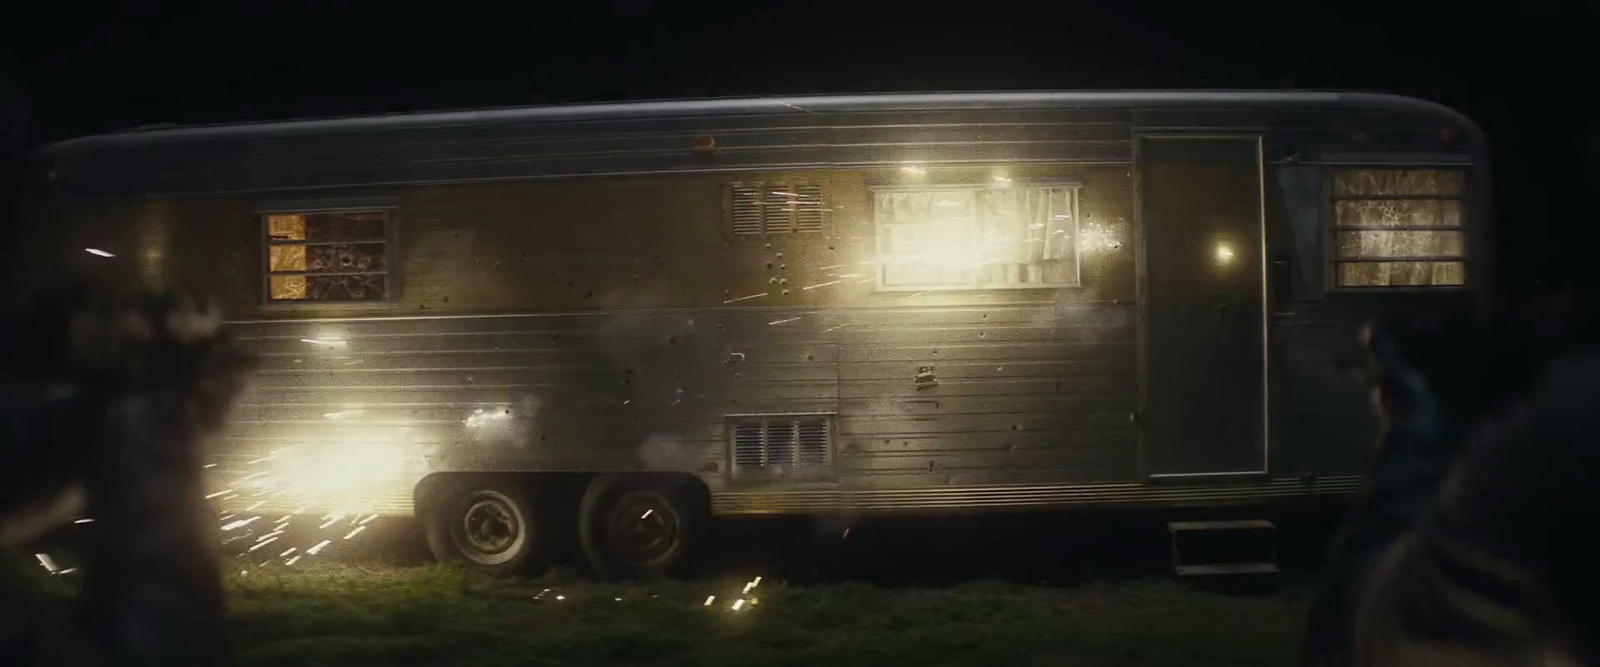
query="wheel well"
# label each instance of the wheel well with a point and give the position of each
(544, 488)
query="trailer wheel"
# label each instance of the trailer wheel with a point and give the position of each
(487, 523)
(640, 527)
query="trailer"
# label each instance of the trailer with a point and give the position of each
(634, 317)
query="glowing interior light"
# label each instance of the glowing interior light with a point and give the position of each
(98, 252)
(1224, 253)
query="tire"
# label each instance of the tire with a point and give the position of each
(640, 527)
(486, 523)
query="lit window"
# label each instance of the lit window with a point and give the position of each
(1399, 227)
(977, 237)
(328, 255)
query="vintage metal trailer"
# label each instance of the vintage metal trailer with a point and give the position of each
(639, 315)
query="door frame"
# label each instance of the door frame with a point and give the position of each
(1141, 293)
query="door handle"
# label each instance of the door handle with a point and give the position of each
(1281, 284)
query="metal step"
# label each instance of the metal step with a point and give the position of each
(1225, 568)
(1229, 535)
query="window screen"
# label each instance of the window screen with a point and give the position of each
(328, 255)
(977, 237)
(1399, 227)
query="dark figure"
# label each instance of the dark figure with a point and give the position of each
(1471, 544)
(108, 401)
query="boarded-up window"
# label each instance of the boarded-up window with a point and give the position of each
(328, 255)
(977, 237)
(776, 208)
(1399, 227)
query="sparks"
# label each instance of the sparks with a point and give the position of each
(647, 513)
(836, 327)
(289, 551)
(209, 466)
(222, 492)
(834, 266)
(353, 533)
(84, 521)
(369, 518)
(319, 547)
(48, 563)
(792, 319)
(258, 503)
(710, 599)
(240, 523)
(329, 522)
(292, 561)
(560, 598)
(742, 298)
(261, 544)
(863, 282)
(831, 282)
(738, 604)
(69, 570)
(98, 252)
(271, 534)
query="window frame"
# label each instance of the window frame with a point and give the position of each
(1331, 230)
(1075, 196)
(390, 241)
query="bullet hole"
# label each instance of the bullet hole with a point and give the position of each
(885, 441)
(986, 316)
(783, 267)
(786, 291)
(672, 340)
(983, 334)
(783, 281)
(588, 294)
(769, 246)
(769, 266)
(1016, 427)
(780, 255)
(999, 368)
(772, 281)
(422, 306)
(508, 411)
(630, 370)
(936, 351)
(830, 247)
(544, 436)
(677, 376)
(809, 357)
(635, 277)
(738, 375)
(447, 299)
(455, 235)
(719, 326)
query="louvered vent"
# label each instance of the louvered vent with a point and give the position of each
(746, 210)
(781, 442)
(769, 208)
(808, 209)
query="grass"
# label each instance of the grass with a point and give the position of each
(342, 614)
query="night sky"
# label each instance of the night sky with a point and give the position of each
(1521, 71)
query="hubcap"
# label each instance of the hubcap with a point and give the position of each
(491, 528)
(643, 528)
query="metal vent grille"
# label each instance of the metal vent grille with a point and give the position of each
(781, 442)
(808, 209)
(769, 208)
(746, 210)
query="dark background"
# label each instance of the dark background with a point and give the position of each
(1524, 71)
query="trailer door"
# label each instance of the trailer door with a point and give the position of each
(1203, 392)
